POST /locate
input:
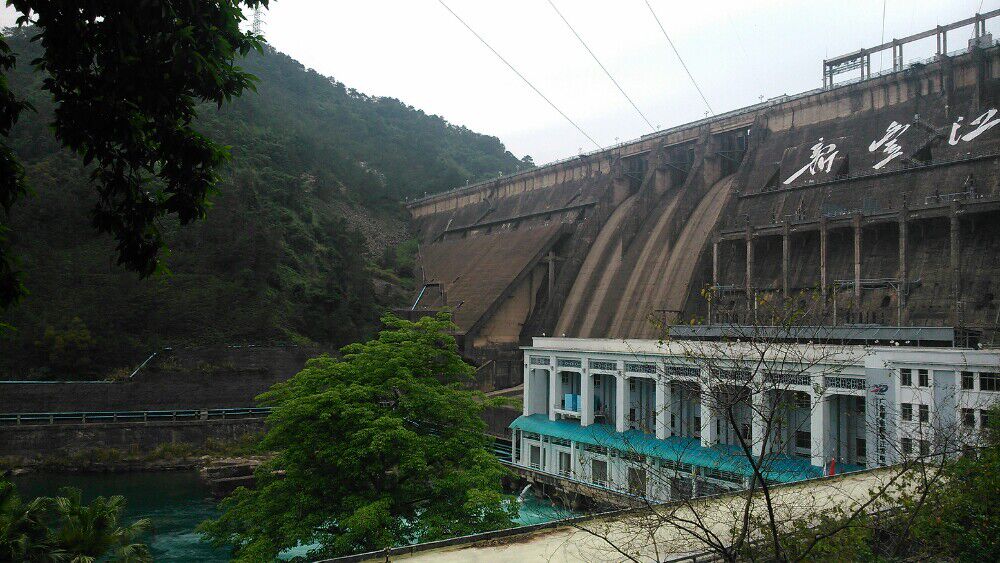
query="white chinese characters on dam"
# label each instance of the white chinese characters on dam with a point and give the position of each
(823, 154)
(821, 160)
(888, 143)
(982, 124)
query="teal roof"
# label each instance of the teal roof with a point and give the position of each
(779, 467)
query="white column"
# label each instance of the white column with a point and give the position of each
(759, 415)
(709, 433)
(586, 398)
(664, 404)
(819, 430)
(572, 459)
(526, 393)
(553, 393)
(621, 403)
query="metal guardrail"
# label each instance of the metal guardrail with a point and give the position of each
(94, 417)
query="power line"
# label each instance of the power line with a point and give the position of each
(521, 76)
(693, 81)
(882, 41)
(596, 60)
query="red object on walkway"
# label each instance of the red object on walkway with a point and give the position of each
(833, 467)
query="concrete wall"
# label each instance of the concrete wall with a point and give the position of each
(185, 379)
(132, 437)
(933, 99)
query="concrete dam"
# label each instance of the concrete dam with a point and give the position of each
(881, 194)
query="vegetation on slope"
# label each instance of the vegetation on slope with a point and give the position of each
(380, 448)
(281, 256)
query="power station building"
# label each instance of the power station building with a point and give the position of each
(684, 417)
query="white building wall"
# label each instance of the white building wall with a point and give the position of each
(834, 431)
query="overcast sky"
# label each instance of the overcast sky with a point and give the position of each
(415, 50)
(738, 51)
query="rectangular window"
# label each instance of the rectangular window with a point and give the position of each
(925, 413)
(922, 378)
(969, 418)
(637, 481)
(906, 377)
(803, 439)
(984, 418)
(906, 411)
(907, 444)
(989, 381)
(536, 457)
(862, 447)
(925, 447)
(599, 472)
(564, 464)
(968, 380)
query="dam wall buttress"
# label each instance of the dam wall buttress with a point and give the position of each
(881, 195)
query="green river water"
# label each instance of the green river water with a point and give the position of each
(177, 501)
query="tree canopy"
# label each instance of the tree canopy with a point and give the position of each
(64, 528)
(304, 241)
(378, 448)
(125, 80)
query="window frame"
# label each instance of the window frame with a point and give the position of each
(924, 413)
(807, 436)
(905, 377)
(968, 380)
(992, 377)
(569, 463)
(593, 474)
(969, 418)
(923, 378)
(906, 411)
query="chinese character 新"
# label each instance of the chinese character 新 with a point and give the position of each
(821, 160)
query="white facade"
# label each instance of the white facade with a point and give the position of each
(856, 406)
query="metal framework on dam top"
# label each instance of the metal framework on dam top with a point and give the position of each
(863, 58)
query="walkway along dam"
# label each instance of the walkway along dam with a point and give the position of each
(880, 194)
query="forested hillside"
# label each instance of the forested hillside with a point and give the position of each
(305, 240)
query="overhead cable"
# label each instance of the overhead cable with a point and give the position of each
(679, 58)
(521, 76)
(596, 60)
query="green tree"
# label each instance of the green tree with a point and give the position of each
(125, 79)
(64, 529)
(378, 448)
(24, 535)
(88, 532)
(962, 517)
(68, 348)
(288, 250)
